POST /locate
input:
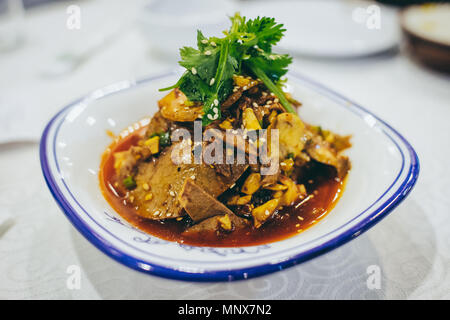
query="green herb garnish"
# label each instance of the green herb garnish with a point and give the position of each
(245, 49)
(129, 183)
(164, 139)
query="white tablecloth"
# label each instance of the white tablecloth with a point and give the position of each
(411, 246)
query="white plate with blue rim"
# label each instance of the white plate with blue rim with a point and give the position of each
(385, 168)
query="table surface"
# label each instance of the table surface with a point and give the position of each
(411, 246)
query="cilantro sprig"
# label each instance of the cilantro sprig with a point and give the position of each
(246, 48)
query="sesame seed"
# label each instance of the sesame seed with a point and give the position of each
(212, 81)
(210, 117)
(207, 52)
(267, 212)
(213, 43)
(272, 94)
(244, 88)
(204, 41)
(156, 213)
(300, 218)
(193, 177)
(255, 104)
(215, 110)
(169, 214)
(194, 71)
(269, 102)
(145, 186)
(216, 102)
(172, 193)
(264, 93)
(276, 100)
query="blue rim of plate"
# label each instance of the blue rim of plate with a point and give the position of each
(249, 272)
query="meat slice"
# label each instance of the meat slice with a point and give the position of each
(198, 203)
(235, 96)
(322, 151)
(213, 225)
(125, 162)
(343, 166)
(157, 124)
(160, 182)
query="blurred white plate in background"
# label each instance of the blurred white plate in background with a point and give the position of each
(331, 28)
(170, 25)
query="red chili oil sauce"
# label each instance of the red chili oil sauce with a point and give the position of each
(324, 190)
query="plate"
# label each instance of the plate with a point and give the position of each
(385, 168)
(331, 29)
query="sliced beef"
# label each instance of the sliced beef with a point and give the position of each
(322, 151)
(164, 179)
(343, 166)
(158, 124)
(235, 96)
(222, 223)
(125, 162)
(198, 203)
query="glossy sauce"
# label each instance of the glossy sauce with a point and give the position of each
(324, 191)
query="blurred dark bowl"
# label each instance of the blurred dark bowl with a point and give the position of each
(426, 50)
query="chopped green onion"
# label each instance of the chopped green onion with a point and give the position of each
(129, 183)
(164, 139)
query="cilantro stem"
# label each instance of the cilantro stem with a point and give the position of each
(225, 48)
(271, 86)
(221, 65)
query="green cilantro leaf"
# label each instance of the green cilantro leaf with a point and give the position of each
(246, 47)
